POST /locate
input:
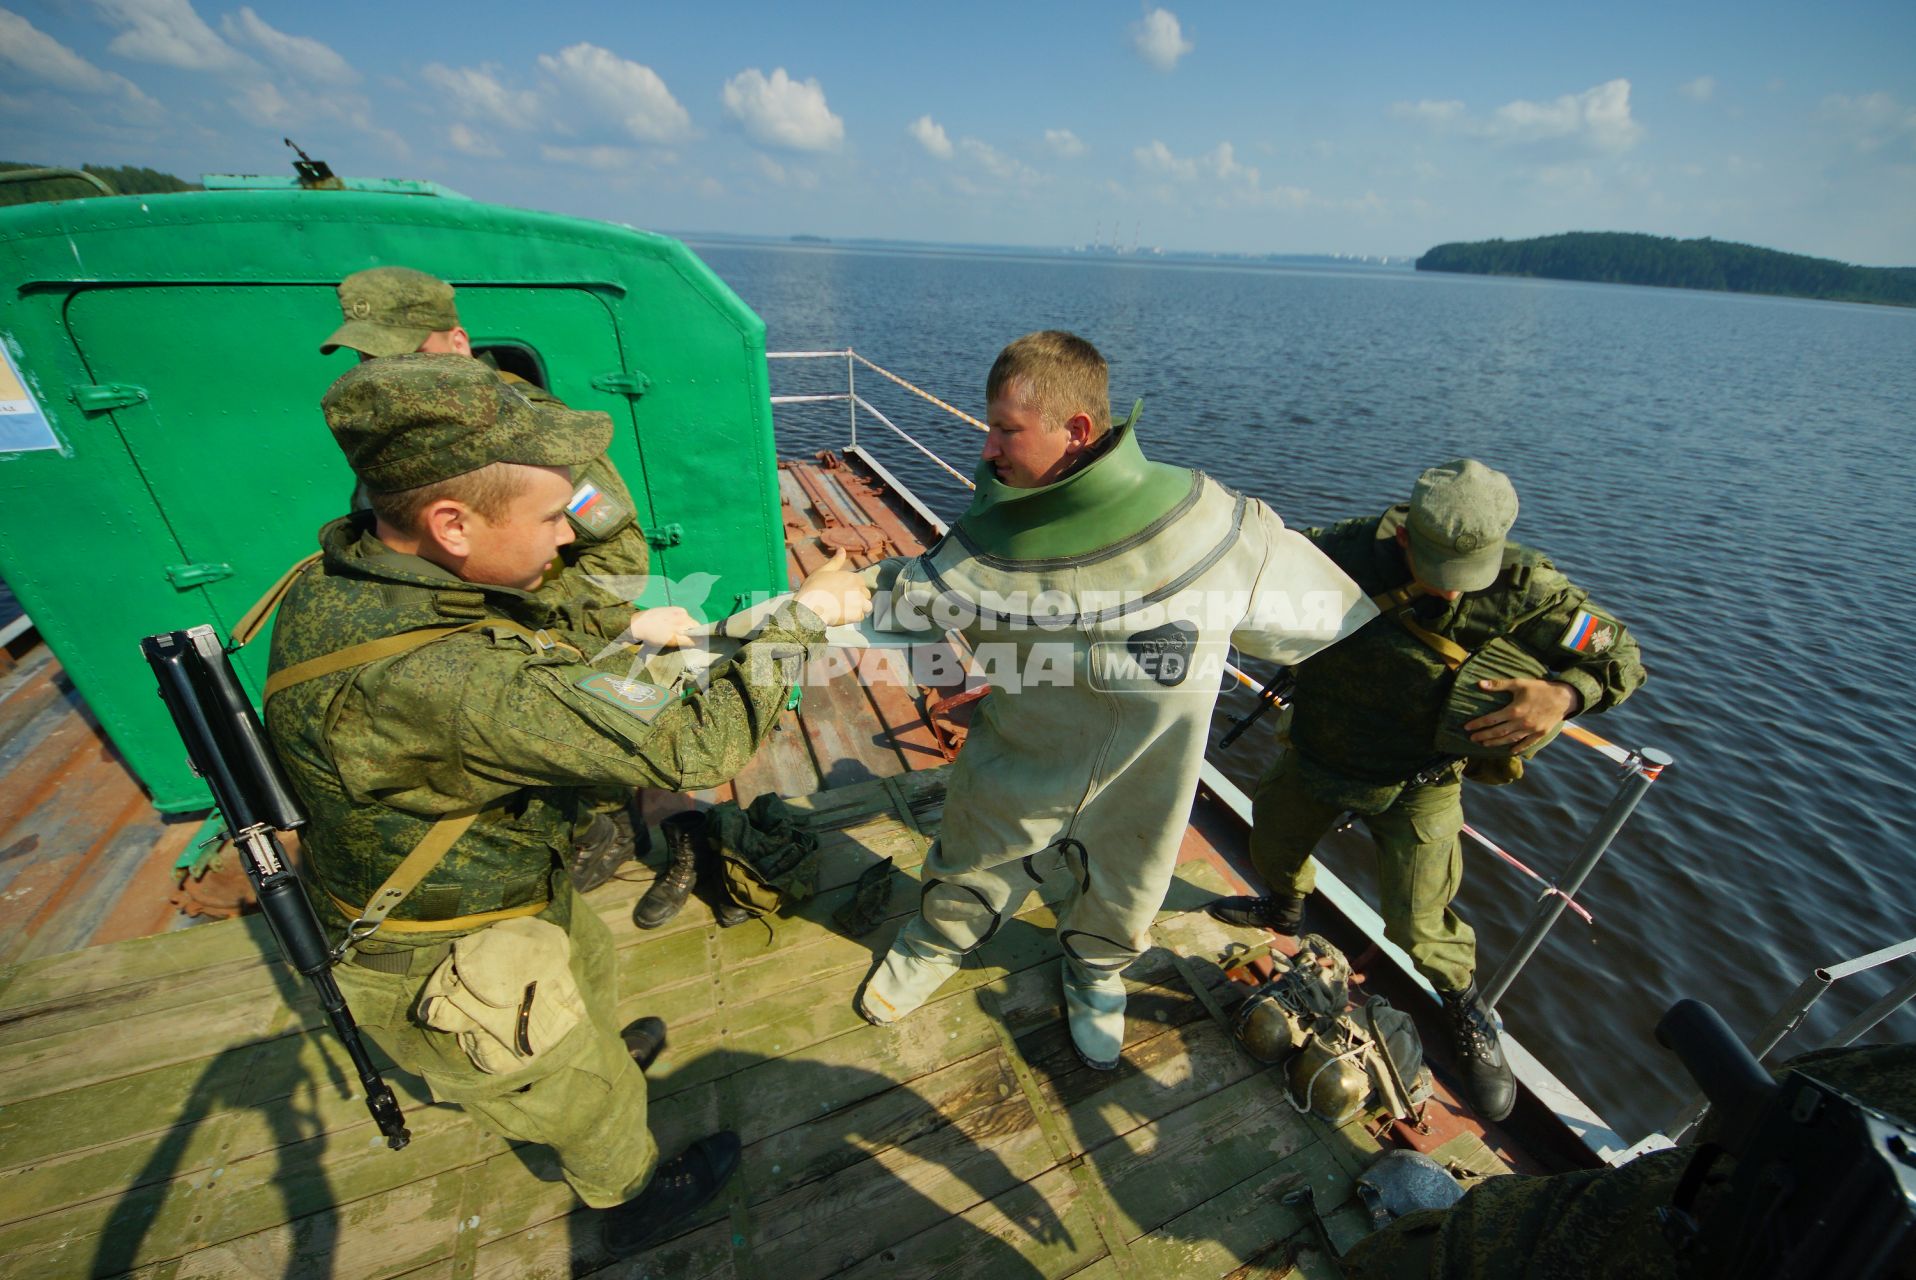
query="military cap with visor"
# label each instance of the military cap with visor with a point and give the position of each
(416, 419)
(389, 311)
(1459, 514)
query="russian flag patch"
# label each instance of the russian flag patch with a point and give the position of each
(584, 500)
(1588, 633)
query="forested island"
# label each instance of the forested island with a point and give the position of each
(128, 180)
(1620, 257)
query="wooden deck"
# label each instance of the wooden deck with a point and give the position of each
(172, 1105)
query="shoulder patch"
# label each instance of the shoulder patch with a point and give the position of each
(1590, 633)
(595, 511)
(634, 697)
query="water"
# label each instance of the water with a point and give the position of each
(1729, 474)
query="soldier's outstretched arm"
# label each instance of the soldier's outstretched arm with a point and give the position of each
(1301, 601)
(468, 720)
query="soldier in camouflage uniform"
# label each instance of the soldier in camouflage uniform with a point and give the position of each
(389, 311)
(419, 686)
(1598, 1223)
(1366, 714)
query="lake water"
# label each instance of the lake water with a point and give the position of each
(1731, 475)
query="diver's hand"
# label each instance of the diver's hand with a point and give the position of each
(836, 594)
(667, 627)
(1535, 708)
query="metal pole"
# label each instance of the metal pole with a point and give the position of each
(1874, 1014)
(851, 393)
(1635, 783)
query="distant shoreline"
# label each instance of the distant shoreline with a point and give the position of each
(1617, 257)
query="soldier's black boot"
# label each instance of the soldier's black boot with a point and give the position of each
(667, 893)
(644, 1040)
(1282, 913)
(1488, 1083)
(601, 849)
(678, 1187)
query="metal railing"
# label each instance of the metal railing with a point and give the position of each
(1797, 1007)
(1638, 768)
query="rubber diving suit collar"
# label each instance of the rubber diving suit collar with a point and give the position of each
(1114, 496)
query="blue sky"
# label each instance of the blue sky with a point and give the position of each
(1267, 127)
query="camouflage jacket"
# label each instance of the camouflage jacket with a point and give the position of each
(1366, 710)
(484, 720)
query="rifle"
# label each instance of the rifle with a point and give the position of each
(1275, 693)
(1824, 1184)
(226, 747)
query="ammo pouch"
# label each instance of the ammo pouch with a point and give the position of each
(1337, 1061)
(766, 858)
(507, 992)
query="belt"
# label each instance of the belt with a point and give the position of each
(406, 962)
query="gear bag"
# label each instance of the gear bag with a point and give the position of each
(766, 856)
(1337, 1060)
(507, 992)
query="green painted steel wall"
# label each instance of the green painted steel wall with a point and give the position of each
(213, 304)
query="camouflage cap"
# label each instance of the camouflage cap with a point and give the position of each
(1459, 514)
(404, 421)
(389, 311)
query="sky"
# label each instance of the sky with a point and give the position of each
(1270, 127)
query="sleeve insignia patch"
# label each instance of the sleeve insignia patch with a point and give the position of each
(1588, 633)
(634, 697)
(595, 511)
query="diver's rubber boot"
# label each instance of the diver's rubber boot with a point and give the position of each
(910, 974)
(668, 892)
(1094, 1010)
(678, 1187)
(1280, 913)
(1487, 1079)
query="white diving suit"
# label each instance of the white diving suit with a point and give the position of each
(1101, 609)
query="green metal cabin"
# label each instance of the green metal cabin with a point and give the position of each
(163, 458)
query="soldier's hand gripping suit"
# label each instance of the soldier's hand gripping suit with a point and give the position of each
(1366, 715)
(410, 703)
(1100, 606)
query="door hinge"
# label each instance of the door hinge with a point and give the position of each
(107, 395)
(183, 576)
(622, 383)
(665, 535)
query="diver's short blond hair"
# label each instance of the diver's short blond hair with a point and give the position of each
(489, 492)
(1058, 374)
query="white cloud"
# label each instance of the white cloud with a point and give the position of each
(1871, 121)
(793, 176)
(931, 136)
(1063, 142)
(602, 159)
(170, 33)
(779, 111)
(1159, 39)
(470, 142)
(997, 163)
(1435, 112)
(1598, 118)
(479, 94)
(304, 56)
(1701, 89)
(1229, 181)
(618, 89)
(34, 53)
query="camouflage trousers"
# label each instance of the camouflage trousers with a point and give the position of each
(1420, 863)
(584, 1097)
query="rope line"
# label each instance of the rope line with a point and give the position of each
(906, 436)
(887, 373)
